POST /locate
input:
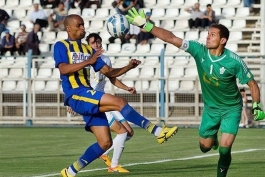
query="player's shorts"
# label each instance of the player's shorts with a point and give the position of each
(114, 115)
(226, 119)
(85, 102)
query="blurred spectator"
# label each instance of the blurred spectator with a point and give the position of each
(87, 3)
(60, 13)
(248, 3)
(208, 17)
(127, 4)
(67, 4)
(54, 3)
(38, 16)
(21, 40)
(140, 4)
(33, 40)
(120, 8)
(133, 33)
(117, 5)
(196, 16)
(143, 36)
(4, 17)
(8, 43)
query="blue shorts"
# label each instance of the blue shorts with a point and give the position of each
(85, 102)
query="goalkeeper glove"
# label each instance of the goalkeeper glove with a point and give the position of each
(138, 19)
(257, 111)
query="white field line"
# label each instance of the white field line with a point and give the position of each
(159, 161)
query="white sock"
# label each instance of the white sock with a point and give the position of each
(70, 171)
(118, 144)
(158, 131)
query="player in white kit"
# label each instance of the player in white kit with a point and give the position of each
(117, 122)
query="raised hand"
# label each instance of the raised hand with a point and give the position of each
(95, 56)
(134, 63)
(132, 90)
(138, 19)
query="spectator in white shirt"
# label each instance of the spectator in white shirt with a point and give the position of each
(38, 16)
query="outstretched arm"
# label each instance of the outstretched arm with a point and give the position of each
(116, 72)
(121, 85)
(138, 19)
(166, 36)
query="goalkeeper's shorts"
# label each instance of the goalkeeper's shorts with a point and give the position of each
(226, 119)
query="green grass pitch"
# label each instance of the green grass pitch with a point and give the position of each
(43, 152)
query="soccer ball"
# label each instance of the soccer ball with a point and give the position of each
(117, 25)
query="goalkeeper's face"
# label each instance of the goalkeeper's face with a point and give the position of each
(213, 39)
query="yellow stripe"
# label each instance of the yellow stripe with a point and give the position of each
(85, 99)
(80, 72)
(71, 76)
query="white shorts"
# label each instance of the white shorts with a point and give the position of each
(114, 115)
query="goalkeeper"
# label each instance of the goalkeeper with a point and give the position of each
(218, 68)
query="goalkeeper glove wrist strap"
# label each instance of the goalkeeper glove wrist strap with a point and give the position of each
(256, 104)
(148, 26)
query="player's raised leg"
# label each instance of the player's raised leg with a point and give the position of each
(109, 102)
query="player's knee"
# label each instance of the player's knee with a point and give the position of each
(105, 144)
(204, 148)
(130, 134)
(122, 102)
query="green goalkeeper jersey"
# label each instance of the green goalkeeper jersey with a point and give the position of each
(218, 75)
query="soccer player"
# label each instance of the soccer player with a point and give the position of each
(74, 59)
(116, 121)
(218, 69)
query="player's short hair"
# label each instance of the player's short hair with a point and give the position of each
(208, 5)
(223, 31)
(95, 35)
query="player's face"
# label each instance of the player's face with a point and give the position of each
(76, 29)
(95, 44)
(213, 39)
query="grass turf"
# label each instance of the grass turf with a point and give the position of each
(43, 152)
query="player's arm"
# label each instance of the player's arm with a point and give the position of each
(256, 106)
(116, 72)
(66, 68)
(121, 85)
(166, 36)
(139, 20)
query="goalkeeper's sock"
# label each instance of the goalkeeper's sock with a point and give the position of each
(92, 153)
(224, 161)
(132, 116)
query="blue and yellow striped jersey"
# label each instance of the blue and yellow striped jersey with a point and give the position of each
(72, 52)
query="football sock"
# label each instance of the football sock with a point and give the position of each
(224, 161)
(132, 116)
(92, 153)
(118, 144)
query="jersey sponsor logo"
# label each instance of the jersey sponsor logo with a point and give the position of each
(222, 70)
(210, 80)
(78, 57)
(202, 60)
